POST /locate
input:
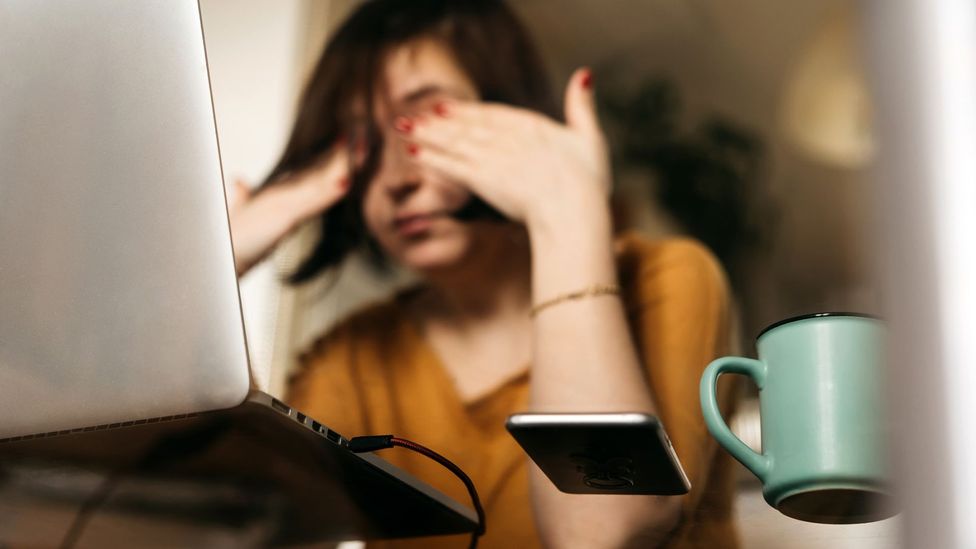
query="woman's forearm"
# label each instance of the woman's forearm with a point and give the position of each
(584, 359)
(583, 354)
(263, 221)
(260, 222)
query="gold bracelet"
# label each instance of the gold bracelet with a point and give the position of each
(591, 291)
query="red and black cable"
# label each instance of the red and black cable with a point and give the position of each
(373, 443)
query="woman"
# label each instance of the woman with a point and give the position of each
(416, 113)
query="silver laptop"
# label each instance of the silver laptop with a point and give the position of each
(119, 305)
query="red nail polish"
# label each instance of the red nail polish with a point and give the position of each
(403, 124)
(413, 149)
(440, 109)
(587, 80)
(344, 183)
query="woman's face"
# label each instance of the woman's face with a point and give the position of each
(407, 210)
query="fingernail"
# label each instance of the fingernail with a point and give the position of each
(403, 124)
(440, 109)
(413, 149)
(344, 183)
(587, 80)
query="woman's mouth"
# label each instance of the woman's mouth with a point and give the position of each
(411, 225)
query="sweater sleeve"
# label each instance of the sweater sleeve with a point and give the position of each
(679, 308)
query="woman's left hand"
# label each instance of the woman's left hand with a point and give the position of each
(531, 168)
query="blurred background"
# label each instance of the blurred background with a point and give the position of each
(745, 124)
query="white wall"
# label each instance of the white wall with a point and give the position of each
(254, 48)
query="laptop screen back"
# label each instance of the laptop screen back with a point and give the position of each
(118, 297)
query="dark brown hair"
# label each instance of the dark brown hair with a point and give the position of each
(486, 39)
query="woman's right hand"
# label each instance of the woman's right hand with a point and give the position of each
(258, 222)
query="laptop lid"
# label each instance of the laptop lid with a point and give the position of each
(118, 295)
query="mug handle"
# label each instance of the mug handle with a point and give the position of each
(759, 464)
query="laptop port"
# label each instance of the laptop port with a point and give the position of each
(333, 436)
(280, 406)
(316, 426)
(300, 416)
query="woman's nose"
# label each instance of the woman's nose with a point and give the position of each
(405, 176)
(400, 187)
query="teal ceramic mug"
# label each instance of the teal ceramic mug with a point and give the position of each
(822, 417)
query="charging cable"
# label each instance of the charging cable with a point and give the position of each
(373, 443)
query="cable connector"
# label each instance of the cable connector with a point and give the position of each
(371, 443)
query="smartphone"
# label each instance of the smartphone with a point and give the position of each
(615, 453)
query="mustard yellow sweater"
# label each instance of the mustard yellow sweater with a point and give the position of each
(375, 374)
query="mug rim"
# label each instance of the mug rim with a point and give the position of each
(808, 316)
